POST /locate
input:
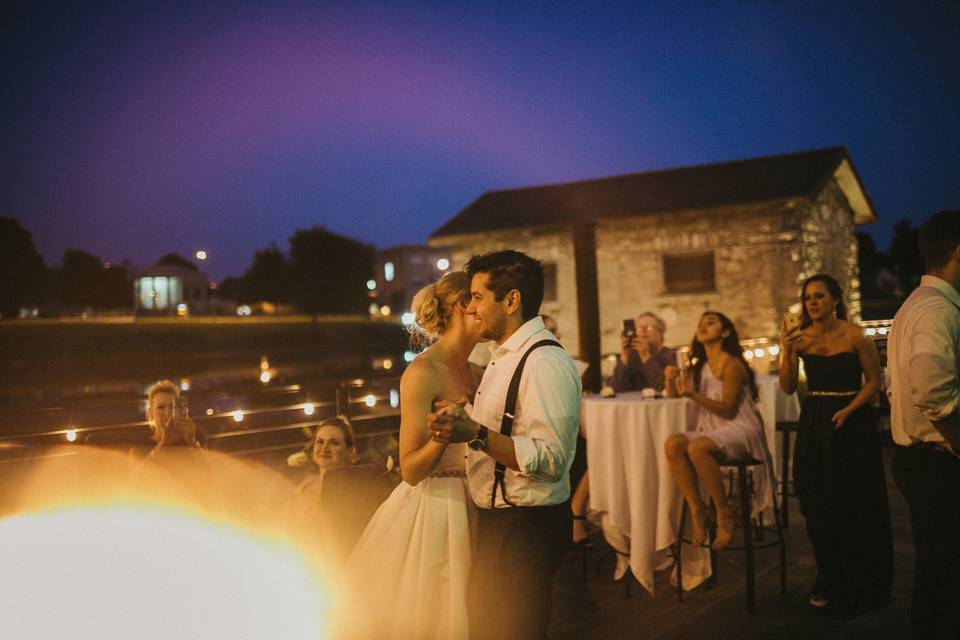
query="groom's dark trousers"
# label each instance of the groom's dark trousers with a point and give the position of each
(518, 552)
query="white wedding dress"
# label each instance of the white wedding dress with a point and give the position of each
(408, 573)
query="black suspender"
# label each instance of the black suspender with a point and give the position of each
(509, 410)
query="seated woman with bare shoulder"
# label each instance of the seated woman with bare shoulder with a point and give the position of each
(414, 558)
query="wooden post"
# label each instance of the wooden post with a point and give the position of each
(588, 301)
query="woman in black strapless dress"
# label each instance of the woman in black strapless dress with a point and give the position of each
(838, 468)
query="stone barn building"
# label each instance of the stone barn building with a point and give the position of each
(738, 237)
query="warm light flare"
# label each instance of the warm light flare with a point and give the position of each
(238, 416)
(120, 572)
(71, 435)
(187, 547)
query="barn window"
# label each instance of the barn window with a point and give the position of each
(689, 272)
(549, 282)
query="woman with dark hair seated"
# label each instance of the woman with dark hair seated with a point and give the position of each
(728, 425)
(837, 466)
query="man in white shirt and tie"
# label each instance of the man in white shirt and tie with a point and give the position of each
(923, 357)
(520, 481)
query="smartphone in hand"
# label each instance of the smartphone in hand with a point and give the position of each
(630, 328)
(791, 321)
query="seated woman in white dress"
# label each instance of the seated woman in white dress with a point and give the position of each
(728, 425)
(407, 576)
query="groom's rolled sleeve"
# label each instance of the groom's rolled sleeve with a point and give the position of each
(550, 417)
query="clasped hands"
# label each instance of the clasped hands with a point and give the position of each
(449, 422)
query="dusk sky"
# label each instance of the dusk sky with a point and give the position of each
(134, 130)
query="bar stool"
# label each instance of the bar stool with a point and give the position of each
(749, 528)
(786, 428)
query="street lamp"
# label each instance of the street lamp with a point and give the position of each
(200, 255)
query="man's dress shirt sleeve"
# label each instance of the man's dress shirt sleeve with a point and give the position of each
(551, 415)
(934, 387)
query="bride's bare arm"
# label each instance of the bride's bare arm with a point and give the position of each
(418, 452)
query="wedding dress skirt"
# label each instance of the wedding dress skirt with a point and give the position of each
(407, 576)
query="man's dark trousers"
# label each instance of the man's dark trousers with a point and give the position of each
(518, 552)
(930, 481)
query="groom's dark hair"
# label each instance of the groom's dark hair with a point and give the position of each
(509, 270)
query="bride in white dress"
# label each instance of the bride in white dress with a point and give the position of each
(407, 576)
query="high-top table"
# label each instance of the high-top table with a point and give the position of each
(632, 493)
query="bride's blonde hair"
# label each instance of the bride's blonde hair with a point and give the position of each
(433, 304)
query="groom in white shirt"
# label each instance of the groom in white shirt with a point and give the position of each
(520, 482)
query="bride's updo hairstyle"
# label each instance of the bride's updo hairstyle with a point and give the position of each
(433, 304)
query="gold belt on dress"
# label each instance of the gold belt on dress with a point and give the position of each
(448, 474)
(833, 394)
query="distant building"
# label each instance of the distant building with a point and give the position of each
(171, 290)
(403, 270)
(738, 237)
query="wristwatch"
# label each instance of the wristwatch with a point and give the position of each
(479, 442)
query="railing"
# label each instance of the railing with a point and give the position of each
(269, 432)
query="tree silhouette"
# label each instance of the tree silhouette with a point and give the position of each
(329, 272)
(905, 256)
(871, 263)
(269, 277)
(84, 282)
(23, 274)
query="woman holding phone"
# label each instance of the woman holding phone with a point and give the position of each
(838, 469)
(168, 419)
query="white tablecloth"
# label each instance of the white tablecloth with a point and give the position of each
(775, 406)
(631, 490)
